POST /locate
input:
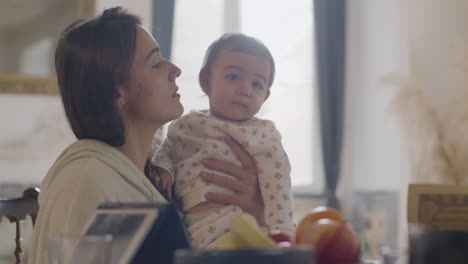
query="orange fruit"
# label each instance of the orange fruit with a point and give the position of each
(316, 214)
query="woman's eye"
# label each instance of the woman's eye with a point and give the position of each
(156, 65)
(232, 77)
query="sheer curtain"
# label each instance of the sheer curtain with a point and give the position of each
(374, 169)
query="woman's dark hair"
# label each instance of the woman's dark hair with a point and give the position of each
(91, 59)
(241, 43)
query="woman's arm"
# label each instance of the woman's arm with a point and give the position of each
(247, 194)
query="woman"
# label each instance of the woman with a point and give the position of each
(117, 91)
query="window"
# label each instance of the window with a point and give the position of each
(287, 30)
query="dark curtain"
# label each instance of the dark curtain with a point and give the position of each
(163, 21)
(330, 23)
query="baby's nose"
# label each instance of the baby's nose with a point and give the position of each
(244, 89)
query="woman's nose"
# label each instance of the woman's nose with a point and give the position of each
(175, 72)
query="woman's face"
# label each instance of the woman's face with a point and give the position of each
(151, 95)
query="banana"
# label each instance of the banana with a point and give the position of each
(246, 230)
(227, 242)
(245, 234)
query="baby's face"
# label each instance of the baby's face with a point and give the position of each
(237, 85)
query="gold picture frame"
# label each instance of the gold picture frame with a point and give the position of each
(41, 85)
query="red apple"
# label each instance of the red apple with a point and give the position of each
(314, 215)
(333, 240)
(279, 236)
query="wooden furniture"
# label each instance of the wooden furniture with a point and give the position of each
(16, 209)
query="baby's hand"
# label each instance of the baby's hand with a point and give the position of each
(162, 181)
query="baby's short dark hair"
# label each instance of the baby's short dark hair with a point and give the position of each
(241, 43)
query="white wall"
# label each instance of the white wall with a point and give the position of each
(34, 132)
(142, 8)
(439, 67)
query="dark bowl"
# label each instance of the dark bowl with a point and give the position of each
(439, 247)
(295, 255)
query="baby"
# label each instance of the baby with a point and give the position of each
(237, 74)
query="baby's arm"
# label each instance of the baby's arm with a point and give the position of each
(275, 182)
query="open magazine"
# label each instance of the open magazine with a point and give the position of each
(438, 206)
(141, 232)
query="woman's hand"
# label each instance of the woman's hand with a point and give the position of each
(247, 194)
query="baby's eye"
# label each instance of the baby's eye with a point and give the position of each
(156, 65)
(232, 77)
(257, 85)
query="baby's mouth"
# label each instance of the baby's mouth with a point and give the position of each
(176, 94)
(242, 105)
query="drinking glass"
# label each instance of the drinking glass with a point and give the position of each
(72, 249)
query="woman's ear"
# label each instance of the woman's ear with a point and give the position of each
(121, 98)
(203, 79)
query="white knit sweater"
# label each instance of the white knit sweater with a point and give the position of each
(86, 174)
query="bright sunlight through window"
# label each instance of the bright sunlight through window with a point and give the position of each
(286, 27)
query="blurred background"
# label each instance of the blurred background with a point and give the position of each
(341, 70)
